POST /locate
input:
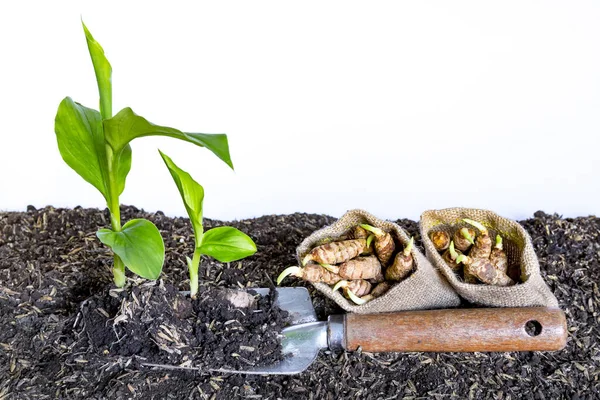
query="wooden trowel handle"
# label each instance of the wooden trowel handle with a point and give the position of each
(463, 330)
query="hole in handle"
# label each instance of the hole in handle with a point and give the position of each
(533, 328)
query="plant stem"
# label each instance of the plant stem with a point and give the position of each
(115, 216)
(118, 265)
(118, 271)
(115, 220)
(193, 267)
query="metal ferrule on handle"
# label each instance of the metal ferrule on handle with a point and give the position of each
(336, 337)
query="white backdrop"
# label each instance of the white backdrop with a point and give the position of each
(395, 107)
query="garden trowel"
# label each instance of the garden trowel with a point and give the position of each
(450, 330)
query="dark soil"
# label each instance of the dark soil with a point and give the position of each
(154, 324)
(52, 269)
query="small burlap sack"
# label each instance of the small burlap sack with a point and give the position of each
(532, 291)
(424, 289)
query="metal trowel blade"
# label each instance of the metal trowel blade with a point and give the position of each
(301, 341)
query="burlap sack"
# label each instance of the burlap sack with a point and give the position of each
(532, 291)
(424, 289)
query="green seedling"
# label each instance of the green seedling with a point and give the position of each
(465, 233)
(289, 271)
(357, 291)
(384, 243)
(477, 225)
(461, 258)
(311, 273)
(498, 244)
(452, 250)
(451, 255)
(224, 243)
(483, 243)
(96, 145)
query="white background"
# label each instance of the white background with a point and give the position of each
(395, 107)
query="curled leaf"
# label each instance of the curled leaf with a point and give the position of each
(103, 72)
(192, 194)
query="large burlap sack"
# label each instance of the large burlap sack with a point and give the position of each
(424, 289)
(532, 291)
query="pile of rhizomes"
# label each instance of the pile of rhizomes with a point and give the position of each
(364, 263)
(474, 257)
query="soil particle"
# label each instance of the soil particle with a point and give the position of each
(51, 264)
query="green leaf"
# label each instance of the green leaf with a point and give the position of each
(121, 166)
(126, 126)
(227, 244)
(103, 72)
(139, 245)
(191, 192)
(81, 142)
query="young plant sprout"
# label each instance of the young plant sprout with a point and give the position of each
(384, 243)
(451, 255)
(463, 239)
(440, 240)
(347, 263)
(378, 291)
(483, 243)
(368, 250)
(357, 268)
(358, 232)
(403, 264)
(354, 289)
(337, 252)
(498, 256)
(311, 273)
(224, 243)
(485, 271)
(96, 145)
